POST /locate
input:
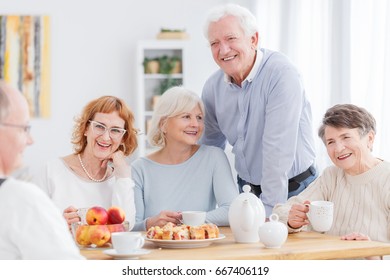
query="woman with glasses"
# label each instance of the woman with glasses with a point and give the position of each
(96, 174)
(181, 175)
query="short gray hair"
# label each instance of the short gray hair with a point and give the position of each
(348, 116)
(173, 102)
(246, 18)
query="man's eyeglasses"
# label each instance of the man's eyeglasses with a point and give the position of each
(26, 128)
(99, 129)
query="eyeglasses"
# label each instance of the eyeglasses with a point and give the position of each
(26, 128)
(99, 129)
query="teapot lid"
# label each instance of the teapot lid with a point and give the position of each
(274, 217)
(247, 194)
(273, 223)
(246, 188)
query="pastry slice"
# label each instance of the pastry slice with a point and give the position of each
(197, 233)
(211, 231)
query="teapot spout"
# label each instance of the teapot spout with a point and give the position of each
(247, 216)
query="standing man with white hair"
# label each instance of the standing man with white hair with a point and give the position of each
(32, 227)
(257, 103)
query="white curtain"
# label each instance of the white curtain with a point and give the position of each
(370, 65)
(342, 49)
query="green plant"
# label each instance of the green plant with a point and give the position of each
(146, 61)
(168, 83)
(166, 64)
(171, 30)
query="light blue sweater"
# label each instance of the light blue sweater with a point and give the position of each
(267, 121)
(200, 183)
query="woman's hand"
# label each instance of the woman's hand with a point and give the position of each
(71, 216)
(355, 236)
(360, 237)
(297, 217)
(121, 169)
(163, 218)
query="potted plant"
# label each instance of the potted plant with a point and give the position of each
(151, 65)
(176, 61)
(169, 65)
(167, 33)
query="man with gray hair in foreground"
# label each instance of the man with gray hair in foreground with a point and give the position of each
(32, 227)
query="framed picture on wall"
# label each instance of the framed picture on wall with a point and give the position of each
(25, 58)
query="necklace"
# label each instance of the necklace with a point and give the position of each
(89, 176)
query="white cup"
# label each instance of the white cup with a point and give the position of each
(127, 242)
(193, 218)
(321, 215)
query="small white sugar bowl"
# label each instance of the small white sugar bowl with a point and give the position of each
(273, 234)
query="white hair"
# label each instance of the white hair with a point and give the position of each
(247, 19)
(172, 103)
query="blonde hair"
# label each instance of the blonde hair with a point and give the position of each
(173, 102)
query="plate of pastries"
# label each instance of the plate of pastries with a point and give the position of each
(184, 236)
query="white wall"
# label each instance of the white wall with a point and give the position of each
(93, 51)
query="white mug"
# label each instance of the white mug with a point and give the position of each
(321, 215)
(127, 242)
(193, 218)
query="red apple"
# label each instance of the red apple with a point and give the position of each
(116, 215)
(99, 235)
(82, 235)
(96, 216)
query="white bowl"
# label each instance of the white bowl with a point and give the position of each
(273, 234)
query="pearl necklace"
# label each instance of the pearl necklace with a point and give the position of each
(89, 176)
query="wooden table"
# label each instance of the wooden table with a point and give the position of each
(299, 246)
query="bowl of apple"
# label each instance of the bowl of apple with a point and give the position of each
(99, 223)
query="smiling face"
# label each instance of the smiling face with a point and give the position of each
(185, 128)
(349, 150)
(102, 146)
(232, 50)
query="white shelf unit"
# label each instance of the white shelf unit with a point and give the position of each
(148, 84)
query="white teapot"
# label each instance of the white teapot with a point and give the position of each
(273, 234)
(246, 215)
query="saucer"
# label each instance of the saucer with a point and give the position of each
(126, 256)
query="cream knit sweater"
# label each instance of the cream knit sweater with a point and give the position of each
(361, 202)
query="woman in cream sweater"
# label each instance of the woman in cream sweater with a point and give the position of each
(358, 184)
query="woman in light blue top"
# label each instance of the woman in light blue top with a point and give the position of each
(181, 175)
